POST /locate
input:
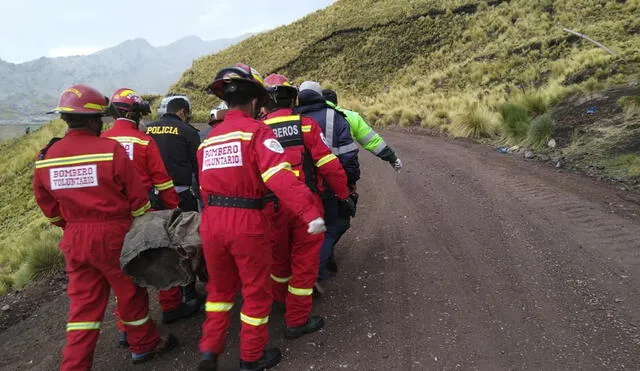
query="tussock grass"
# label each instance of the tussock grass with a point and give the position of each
(473, 122)
(631, 105)
(22, 225)
(42, 259)
(540, 131)
(515, 122)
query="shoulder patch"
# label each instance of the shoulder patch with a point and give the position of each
(273, 145)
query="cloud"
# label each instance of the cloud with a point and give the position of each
(73, 50)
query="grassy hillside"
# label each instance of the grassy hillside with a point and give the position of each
(28, 245)
(450, 67)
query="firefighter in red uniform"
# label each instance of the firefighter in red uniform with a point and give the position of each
(87, 186)
(239, 162)
(147, 162)
(296, 253)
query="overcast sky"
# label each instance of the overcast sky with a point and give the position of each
(34, 28)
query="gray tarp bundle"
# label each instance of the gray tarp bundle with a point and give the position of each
(162, 249)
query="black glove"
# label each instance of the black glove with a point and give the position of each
(346, 207)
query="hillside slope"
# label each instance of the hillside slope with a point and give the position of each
(31, 88)
(423, 62)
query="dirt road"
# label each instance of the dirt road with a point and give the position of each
(470, 260)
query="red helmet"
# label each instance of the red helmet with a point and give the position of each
(82, 100)
(240, 79)
(280, 86)
(127, 100)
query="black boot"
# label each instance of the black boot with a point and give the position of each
(208, 362)
(183, 311)
(270, 359)
(314, 323)
(122, 341)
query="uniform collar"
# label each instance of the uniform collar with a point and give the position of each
(122, 123)
(280, 112)
(236, 114)
(80, 133)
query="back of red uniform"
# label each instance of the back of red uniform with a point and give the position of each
(239, 156)
(146, 157)
(311, 159)
(84, 178)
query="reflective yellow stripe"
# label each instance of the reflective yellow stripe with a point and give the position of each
(306, 128)
(72, 160)
(253, 321)
(79, 326)
(164, 186)
(280, 279)
(142, 210)
(127, 92)
(55, 219)
(63, 109)
(241, 135)
(272, 171)
(326, 159)
(131, 140)
(297, 172)
(218, 306)
(281, 119)
(300, 292)
(95, 106)
(139, 322)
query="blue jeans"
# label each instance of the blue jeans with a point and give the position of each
(336, 227)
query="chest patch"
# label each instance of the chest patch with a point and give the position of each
(222, 156)
(74, 177)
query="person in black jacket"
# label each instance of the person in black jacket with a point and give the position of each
(178, 142)
(337, 137)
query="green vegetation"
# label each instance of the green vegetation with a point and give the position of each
(540, 131)
(428, 63)
(628, 165)
(28, 245)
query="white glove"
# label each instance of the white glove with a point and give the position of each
(397, 165)
(316, 226)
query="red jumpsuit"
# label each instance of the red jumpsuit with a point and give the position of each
(147, 161)
(296, 254)
(238, 162)
(87, 186)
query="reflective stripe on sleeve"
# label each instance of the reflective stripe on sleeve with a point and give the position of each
(272, 171)
(306, 128)
(73, 160)
(300, 292)
(254, 321)
(218, 306)
(83, 326)
(345, 149)
(326, 159)
(280, 279)
(164, 186)
(142, 210)
(367, 138)
(379, 148)
(139, 322)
